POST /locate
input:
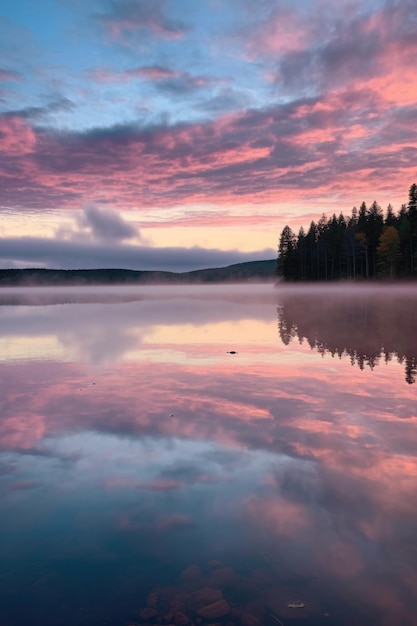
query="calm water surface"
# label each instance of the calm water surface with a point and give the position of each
(208, 455)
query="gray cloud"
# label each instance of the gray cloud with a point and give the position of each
(184, 84)
(71, 254)
(34, 113)
(107, 224)
(226, 99)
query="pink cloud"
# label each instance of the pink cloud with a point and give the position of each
(22, 431)
(17, 137)
(277, 155)
(281, 517)
(152, 72)
(338, 557)
(115, 483)
(160, 485)
(6, 75)
(22, 485)
(118, 28)
(284, 30)
(148, 72)
(129, 482)
(174, 521)
(340, 49)
(203, 218)
(128, 17)
(237, 418)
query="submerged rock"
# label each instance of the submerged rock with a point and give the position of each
(247, 619)
(180, 619)
(148, 613)
(223, 577)
(215, 610)
(191, 574)
(204, 597)
(153, 599)
(178, 604)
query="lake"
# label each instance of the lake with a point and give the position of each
(236, 455)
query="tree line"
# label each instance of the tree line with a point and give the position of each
(366, 245)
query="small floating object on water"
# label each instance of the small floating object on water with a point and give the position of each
(232, 352)
(296, 605)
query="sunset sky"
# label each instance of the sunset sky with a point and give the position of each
(179, 134)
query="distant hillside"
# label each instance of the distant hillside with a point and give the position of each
(240, 272)
(254, 271)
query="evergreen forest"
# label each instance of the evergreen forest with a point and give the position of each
(366, 245)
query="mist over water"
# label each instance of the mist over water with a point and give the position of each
(147, 430)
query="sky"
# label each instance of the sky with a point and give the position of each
(176, 135)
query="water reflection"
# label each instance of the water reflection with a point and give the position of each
(367, 328)
(103, 326)
(137, 473)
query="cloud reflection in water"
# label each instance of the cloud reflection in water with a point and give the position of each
(178, 451)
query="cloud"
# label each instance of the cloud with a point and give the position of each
(7, 75)
(17, 138)
(36, 113)
(277, 29)
(227, 99)
(160, 485)
(124, 19)
(146, 72)
(106, 224)
(338, 126)
(316, 145)
(21, 431)
(79, 337)
(74, 254)
(21, 485)
(175, 521)
(152, 72)
(182, 83)
(164, 79)
(338, 47)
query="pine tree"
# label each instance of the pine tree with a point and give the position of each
(287, 254)
(412, 218)
(363, 245)
(388, 251)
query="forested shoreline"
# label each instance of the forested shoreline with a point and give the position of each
(368, 244)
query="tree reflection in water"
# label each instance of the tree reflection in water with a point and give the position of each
(365, 328)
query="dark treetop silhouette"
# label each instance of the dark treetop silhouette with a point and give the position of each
(365, 245)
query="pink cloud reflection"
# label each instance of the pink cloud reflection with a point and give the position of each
(341, 466)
